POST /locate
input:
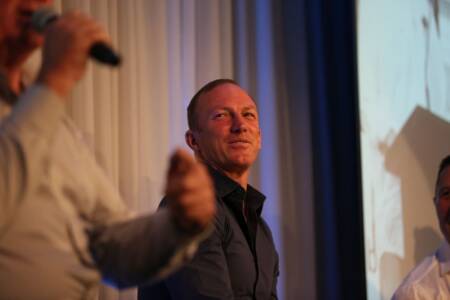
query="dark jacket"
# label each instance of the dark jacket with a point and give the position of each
(238, 261)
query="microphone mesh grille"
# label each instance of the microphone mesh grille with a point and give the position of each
(42, 17)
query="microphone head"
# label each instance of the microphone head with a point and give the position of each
(42, 17)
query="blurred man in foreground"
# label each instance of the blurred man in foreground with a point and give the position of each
(431, 278)
(239, 260)
(63, 225)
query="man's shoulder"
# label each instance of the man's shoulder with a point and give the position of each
(418, 279)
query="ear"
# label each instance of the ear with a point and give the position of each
(191, 141)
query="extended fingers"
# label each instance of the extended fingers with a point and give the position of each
(180, 162)
(190, 191)
(194, 179)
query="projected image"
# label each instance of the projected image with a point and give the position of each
(404, 87)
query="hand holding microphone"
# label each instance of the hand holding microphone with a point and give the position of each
(99, 51)
(69, 41)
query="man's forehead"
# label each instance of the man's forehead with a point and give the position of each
(229, 104)
(227, 95)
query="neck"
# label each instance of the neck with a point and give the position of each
(241, 178)
(240, 175)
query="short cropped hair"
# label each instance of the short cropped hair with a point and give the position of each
(445, 162)
(192, 107)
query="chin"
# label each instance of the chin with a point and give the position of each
(241, 164)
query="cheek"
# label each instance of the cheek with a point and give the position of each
(442, 209)
(6, 22)
(210, 146)
(258, 140)
(215, 135)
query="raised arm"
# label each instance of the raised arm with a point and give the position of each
(24, 138)
(26, 132)
(140, 250)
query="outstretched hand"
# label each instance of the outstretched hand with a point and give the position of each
(190, 192)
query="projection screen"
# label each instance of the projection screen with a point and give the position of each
(404, 91)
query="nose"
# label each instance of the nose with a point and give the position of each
(239, 124)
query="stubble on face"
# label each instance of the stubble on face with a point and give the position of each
(443, 202)
(228, 133)
(16, 31)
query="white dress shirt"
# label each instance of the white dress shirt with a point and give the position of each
(430, 280)
(63, 225)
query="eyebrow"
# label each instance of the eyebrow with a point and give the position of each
(250, 107)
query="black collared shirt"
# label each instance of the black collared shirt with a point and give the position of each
(238, 261)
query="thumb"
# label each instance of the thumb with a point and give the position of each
(180, 162)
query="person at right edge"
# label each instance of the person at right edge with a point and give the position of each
(430, 280)
(239, 259)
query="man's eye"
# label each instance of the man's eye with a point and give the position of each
(445, 193)
(250, 115)
(219, 115)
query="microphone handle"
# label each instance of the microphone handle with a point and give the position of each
(99, 51)
(102, 53)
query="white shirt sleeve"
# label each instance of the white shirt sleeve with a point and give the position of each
(24, 136)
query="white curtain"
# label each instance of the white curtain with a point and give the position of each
(134, 116)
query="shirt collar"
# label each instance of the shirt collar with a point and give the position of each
(443, 256)
(225, 186)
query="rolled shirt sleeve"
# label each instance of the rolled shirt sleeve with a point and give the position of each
(142, 249)
(41, 150)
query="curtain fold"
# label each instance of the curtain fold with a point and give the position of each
(336, 159)
(133, 117)
(270, 62)
(293, 101)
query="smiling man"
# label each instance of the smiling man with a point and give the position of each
(239, 260)
(431, 278)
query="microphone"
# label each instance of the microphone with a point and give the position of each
(43, 17)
